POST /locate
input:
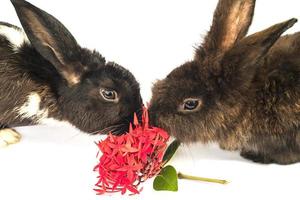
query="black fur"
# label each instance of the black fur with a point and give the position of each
(67, 78)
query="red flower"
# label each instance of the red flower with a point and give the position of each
(132, 158)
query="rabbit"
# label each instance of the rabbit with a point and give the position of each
(241, 92)
(45, 77)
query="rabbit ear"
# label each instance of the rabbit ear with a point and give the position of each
(51, 39)
(231, 21)
(240, 62)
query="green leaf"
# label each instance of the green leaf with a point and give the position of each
(171, 150)
(166, 180)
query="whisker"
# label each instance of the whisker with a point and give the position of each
(109, 129)
(112, 130)
(189, 153)
(123, 125)
(72, 137)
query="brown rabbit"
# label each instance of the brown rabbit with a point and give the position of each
(241, 92)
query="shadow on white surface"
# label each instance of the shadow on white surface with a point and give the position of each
(56, 163)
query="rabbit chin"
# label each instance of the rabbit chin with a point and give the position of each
(31, 110)
(16, 36)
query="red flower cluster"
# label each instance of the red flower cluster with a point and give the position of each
(130, 159)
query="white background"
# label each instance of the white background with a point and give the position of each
(149, 38)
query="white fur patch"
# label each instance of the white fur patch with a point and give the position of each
(16, 37)
(31, 110)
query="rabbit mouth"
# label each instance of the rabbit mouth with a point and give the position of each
(116, 129)
(121, 127)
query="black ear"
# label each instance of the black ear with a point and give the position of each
(231, 22)
(51, 39)
(240, 63)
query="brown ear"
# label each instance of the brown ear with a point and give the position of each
(240, 63)
(51, 39)
(231, 22)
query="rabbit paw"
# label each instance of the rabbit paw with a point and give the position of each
(9, 136)
(256, 157)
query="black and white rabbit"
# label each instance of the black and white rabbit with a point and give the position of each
(241, 92)
(46, 76)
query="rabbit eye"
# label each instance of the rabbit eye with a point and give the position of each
(190, 105)
(109, 95)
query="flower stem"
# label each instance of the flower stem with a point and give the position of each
(184, 176)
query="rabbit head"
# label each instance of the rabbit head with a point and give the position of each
(201, 97)
(91, 94)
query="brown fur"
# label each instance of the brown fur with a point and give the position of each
(249, 88)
